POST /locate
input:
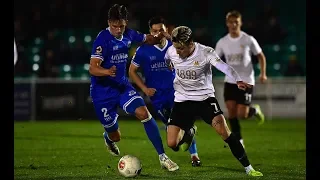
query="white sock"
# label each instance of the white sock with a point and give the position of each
(248, 168)
(161, 156)
(194, 154)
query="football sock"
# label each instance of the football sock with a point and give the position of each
(235, 127)
(106, 137)
(248, 168)
(252, 111)
(153, 133)
(237, 150)
(193, 147)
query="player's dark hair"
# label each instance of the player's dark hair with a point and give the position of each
(156, 20)
(233, 13)
(118, 12)
(182, 35)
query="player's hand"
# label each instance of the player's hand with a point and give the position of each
(263, 78)
(243, 86)
(169, 64)
(149, 91)
(112, 71)
(165, 34)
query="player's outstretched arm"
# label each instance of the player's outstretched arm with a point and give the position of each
(215, 60)
(138, 81)
(152, 40)
(96, 70)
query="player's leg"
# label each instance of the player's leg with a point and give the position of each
(230, 98)
(132, 103)
(181, 129)
(214, 117)
(245, 109)
(107, 114)
(164, 108)
(195, 160)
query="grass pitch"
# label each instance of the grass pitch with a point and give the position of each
(75, 150)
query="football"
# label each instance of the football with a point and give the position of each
(129, 166)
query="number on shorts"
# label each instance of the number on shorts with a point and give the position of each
(215, 107)
(105, 112)
(248, 97)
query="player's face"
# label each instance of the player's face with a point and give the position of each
(117, 27)
(183, 50)
(234, 24)
(157, 29)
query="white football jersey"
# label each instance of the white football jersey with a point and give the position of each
(193, 75)
(237, 52)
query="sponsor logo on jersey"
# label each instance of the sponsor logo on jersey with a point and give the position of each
(99, 50)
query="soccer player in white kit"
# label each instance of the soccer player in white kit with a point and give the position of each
(237, 47)
(194, 94)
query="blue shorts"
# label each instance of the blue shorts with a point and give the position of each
(162, 102)
(107, 100)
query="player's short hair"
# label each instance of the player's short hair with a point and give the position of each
(118, 12)
(182, 35)
(156, 20)
(233, 13)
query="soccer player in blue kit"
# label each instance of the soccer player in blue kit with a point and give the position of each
(111, 88)
(159, 78)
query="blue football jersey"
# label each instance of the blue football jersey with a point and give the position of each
(114, 51)
(154, 68)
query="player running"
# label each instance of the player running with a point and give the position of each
(194, 94)
(237, 47)
(158, 85)
(110, 87)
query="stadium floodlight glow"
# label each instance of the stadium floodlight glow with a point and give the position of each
(84, 77)
(67, 76)
(87, 39)
(66, 68)
(35, 50)
(36, 58)
(72, 39)
(276, 48)
(293, 47)
(276, 66)
(37, 40)
(35, 67)
(86, 67)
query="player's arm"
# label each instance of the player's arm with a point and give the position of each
(146, 38)
(168, 61)
(133, 74)
(263, 65)
(95, 68)
(99, 51)
(151, 40)
(257, 51)
(215, 60)
(15, 51)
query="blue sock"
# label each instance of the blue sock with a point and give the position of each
(153, 133)
(105, 135)
(193, 147)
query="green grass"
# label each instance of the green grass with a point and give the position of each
(75, 150)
